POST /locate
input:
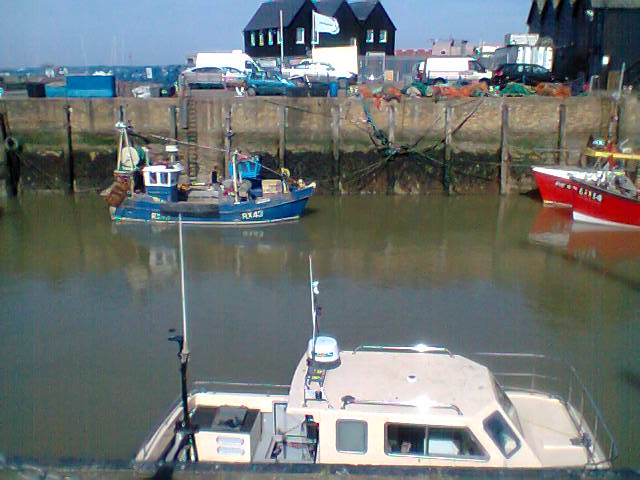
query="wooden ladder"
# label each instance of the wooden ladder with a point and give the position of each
(192, 138)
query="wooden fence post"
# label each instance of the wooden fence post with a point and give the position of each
(448, 140)
(283, 134)
(335, 146)
(504, 152)
(173, 122)
(70, 161)
(562, 131)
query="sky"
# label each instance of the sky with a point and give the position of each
(154, 32)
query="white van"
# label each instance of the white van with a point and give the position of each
(452, 69)
(235, 59)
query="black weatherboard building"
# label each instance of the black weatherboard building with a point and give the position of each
(378, 32)
(364, 22)
(590, 37)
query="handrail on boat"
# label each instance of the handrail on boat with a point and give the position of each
(349, 400)
(598, 424)
(419, 348)
(201, 384)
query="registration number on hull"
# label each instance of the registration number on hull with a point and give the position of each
(257, 214)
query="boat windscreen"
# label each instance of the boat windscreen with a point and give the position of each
(507, 405)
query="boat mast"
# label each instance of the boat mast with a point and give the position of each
(185, 432)
(235, 176)
(314, 312)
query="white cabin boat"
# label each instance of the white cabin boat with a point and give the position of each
(392, 406)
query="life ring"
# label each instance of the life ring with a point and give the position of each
(11, 144)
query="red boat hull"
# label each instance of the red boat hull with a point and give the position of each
(555, 185)
(595, 205)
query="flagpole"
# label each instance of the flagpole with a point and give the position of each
(281, 43)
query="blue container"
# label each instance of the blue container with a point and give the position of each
(333, 89)
(55, 91)
(91, 86)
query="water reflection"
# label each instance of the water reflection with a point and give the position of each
(554, 227)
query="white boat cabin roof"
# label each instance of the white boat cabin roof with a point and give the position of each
(396, 382)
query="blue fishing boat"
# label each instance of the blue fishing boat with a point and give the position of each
(145, 192)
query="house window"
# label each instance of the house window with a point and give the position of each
(279, 37)
(270, 37)
(353, 41)
(262, 39)
(383, 36)
(370, 36)
(421, 440)
(351, 436)
(253, 39)
(300, 35)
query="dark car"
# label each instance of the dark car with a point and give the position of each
(521, 73)
(310, 88)
(270, 83)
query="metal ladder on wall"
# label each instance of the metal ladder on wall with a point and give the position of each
(192, 138)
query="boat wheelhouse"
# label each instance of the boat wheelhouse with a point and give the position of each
(391, 406)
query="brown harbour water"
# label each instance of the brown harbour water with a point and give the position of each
(87, 371)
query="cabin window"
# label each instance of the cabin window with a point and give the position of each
(351, 436)
(506, 405)
(353, 41)
(261, 39)
(270, 37)
(421, 440)
(164, 178)
(383, 36)
(300, 35)
(152, 178)
(253, 39)
(370, 36)
(501, 434)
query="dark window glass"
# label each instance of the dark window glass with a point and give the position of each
(502, 435)
(351, 436)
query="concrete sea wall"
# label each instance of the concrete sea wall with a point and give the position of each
(326, 139)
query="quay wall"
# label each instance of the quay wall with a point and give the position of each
(327, 139)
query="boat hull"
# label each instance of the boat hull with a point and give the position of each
(595, 205)
(554, 184)
(267, 210)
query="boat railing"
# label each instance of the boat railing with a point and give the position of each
(241, 387)
(538, 373)
(420, 348)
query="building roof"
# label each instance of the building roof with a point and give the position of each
(420, 383)
(363, 9)
(328, 7)
(268, 14)
(615, 3)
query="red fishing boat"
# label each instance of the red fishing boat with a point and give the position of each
(555, 185)
(611, 201)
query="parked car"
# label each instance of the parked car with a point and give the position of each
(270, 83)
(203, 77)
(319, 71)
(309, 87)
(451, 69)
(233, 77)
(521, 73)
